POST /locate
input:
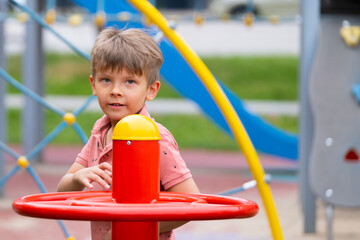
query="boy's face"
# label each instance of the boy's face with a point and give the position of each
(122, 93)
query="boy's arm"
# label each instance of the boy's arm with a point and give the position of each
(79, 177)
(187, 186)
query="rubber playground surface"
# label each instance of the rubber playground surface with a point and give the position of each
(214, 172)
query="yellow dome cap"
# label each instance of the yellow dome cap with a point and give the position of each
(136, 127)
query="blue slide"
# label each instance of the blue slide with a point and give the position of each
(179, 74)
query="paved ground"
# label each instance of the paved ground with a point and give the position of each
(214, 172)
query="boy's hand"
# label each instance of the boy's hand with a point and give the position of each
(102, 174)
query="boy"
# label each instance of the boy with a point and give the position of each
(125, 73)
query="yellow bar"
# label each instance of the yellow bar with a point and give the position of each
(226, 108)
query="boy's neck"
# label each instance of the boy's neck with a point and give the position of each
(113, 123)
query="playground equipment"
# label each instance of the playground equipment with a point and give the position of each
(215, 96)
(329, 155)
(335, 150)
(135, 203)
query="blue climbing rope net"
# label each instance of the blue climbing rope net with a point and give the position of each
(69, 118)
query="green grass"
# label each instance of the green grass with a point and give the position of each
(286, 123)
(270, 77)
(257, 77)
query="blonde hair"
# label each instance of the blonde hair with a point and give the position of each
(132, 49)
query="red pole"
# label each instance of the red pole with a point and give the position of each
(136, 177)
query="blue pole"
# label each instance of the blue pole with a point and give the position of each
(3, 177)
(43, 189)
(5, 148)
(84, 106)
(8, 176)
(50, 4)
(310, 15)
(38, 148)
(65, 231)
(100, 6)
(36, 178)
(80, 132)
(32, 74)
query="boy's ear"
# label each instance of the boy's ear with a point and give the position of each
(92, 83)
(153, 90)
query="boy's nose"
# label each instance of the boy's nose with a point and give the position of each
(116, 91)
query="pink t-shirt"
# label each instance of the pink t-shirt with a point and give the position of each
(173, 169)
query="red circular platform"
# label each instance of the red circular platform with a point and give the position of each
(100, 206)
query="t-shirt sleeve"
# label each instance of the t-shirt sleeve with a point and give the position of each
(91, 148)
(83, 157)
(173, 169)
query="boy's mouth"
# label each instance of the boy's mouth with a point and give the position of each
(116, 104)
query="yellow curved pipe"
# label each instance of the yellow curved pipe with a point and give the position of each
(240, 134)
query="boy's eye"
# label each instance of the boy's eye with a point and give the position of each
(106, 80)
(130, 81)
